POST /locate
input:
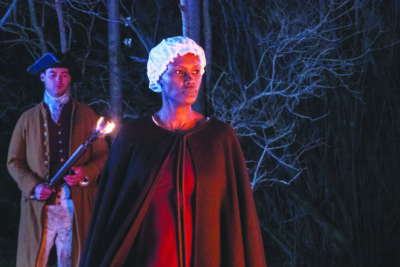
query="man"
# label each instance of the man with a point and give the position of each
(43, 139)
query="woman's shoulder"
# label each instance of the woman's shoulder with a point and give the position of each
(216, 129)
(218, 124)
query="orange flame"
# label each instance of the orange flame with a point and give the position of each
(104, 127)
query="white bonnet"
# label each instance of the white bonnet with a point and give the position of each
(165, 52)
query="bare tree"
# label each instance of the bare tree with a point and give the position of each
(7, 14)
(190, 10)
(114, 51)
(291, 68)
(61, 25)
(207, 32)
(36, 27)
(193, 16)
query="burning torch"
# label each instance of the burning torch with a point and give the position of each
(56, 182)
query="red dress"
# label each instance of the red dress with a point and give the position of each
(165, 235)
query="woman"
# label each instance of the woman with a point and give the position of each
(175, 189)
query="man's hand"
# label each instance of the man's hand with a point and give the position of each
(75, 178)
(42, 192)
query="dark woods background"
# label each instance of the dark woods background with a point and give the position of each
(311, 87)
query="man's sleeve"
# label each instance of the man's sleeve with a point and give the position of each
(16, 161)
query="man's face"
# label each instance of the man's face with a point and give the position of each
(181, 81)
(56, 81)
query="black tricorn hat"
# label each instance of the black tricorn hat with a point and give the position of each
(50, 60)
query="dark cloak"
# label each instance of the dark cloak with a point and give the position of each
(226, 228)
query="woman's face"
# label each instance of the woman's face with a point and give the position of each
(181, 80)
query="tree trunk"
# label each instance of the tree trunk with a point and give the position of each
(36, 27)
(61, 25)
(186, 7)
(190, 10)
(114, 55)
(191, 21)
(207, 31)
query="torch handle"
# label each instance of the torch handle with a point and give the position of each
(67, 166)
(58, 179)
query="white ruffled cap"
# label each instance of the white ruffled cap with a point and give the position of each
(165, 52)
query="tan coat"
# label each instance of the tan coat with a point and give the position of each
(28, 163)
